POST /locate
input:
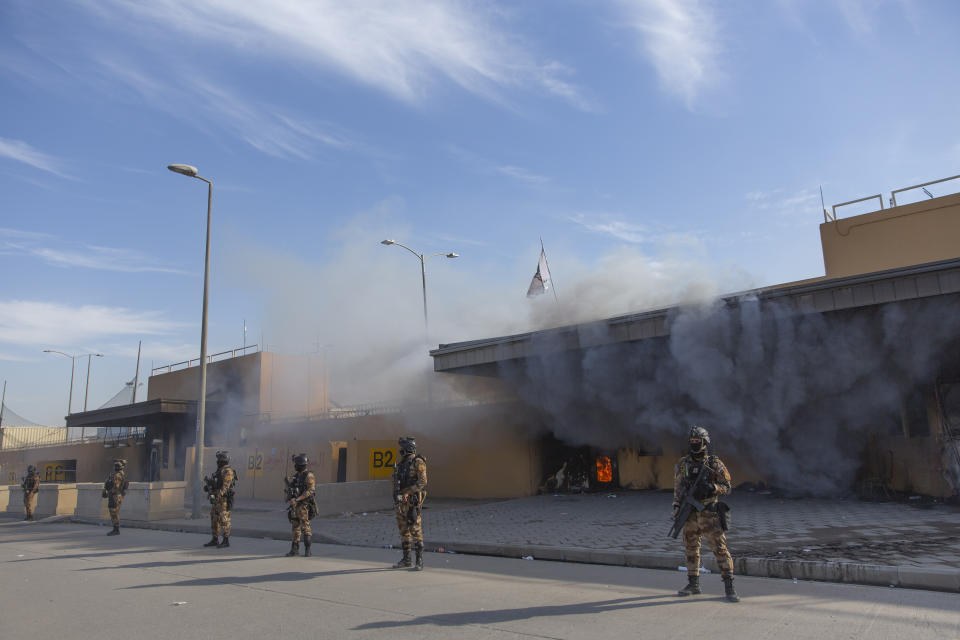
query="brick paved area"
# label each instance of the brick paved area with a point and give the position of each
(764, 526)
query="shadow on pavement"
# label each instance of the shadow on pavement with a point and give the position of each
(176, 563)
(91, 554)
(495, 616)
(288, 576)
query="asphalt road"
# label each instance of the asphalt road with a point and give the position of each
(71, 581)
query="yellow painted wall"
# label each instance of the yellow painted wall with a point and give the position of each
(94, 461)
(906, 235)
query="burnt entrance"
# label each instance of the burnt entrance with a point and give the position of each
(568, 469)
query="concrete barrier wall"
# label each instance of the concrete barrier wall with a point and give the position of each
(356, 497)
(153, 501)
(144, 500)
(90, 503)
(5, 494)
(56, 500)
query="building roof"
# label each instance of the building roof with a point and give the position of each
(816, 296)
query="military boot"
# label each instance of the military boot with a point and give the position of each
(225, 543)
(306, 548)
(730, 592)
(418, 566)
(404, 562)
(115, 531)
(213, 542)
(294, 549)
(692, 588)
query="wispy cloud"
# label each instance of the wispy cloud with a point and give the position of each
(60, 253)
(782, 202)
(484, 165)
(27, 322)
(400, 47)
(605, 224)
(522, 174)
(680, 39)
(20, 151)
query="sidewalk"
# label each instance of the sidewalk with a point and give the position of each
(836, 540)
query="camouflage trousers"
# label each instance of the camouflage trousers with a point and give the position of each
(113, 506)
(410, 523)
(29, 504)
(706, 524)
(299, 517)
(220, 519)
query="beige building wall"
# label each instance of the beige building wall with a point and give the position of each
(94, 461)
(907, 235)
(262, 383)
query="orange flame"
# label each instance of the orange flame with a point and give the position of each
(604, 469)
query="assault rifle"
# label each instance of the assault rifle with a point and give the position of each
(291, 491)
(688, 502)
(210, 487)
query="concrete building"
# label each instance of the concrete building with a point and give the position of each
(850, 380)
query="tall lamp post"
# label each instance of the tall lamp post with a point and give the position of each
(73, 362)
(423, 279)
(191, 172)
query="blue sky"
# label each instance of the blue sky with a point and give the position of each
(663, 150)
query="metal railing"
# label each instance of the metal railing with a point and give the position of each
(108, 436)
(893, 194)
(186, 364)
(827, 217)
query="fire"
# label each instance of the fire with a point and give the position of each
(604, 469)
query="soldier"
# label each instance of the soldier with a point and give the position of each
(220, 490)
(301, 494)
(714, 483)
(114, 489)
(409, 492)
(31, 487)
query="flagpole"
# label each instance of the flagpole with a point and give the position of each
(553, 286)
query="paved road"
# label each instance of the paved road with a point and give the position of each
(66, 580)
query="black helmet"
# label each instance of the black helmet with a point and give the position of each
(408, 445)
(300, 461)
(223, 458)
(698, 440)
(31, 469)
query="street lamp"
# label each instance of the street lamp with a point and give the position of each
(423, 278)
(191, 172)
(73, 361)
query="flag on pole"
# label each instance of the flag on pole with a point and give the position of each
(541, 282)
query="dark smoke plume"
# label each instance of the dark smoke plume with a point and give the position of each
(795, 395)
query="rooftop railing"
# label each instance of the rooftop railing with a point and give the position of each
(828, 217)
(186, 364)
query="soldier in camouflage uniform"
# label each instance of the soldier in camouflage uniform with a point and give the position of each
(706, 523)
(30, 486)
(409, 492)
(301, 496)
(114, 489)
(220, 491)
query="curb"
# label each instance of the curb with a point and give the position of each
(908, 577)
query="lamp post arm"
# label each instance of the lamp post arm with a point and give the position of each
(400, 244)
